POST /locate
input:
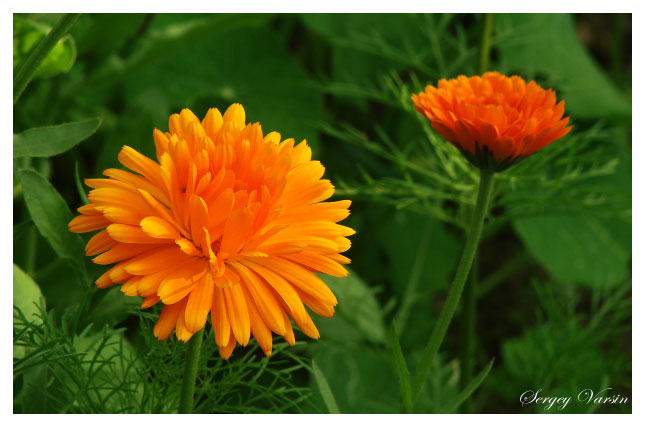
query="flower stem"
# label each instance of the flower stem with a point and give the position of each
(484, 47)
(39, 53)
(190, 372)
(468, 316)
(472, 240)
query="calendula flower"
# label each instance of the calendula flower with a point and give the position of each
(229, 221)
(494, 120)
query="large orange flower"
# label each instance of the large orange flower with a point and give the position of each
(230, 222)
(494, 120)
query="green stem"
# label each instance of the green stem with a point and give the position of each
(39, 53)
(484, 47)
(468, 316)
(190, 373)
(472, 240)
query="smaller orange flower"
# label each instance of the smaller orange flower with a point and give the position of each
(494, 120)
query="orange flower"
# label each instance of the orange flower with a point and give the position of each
(230, 222)
(494, 120)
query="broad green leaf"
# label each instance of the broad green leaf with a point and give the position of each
(575, 249)
(27, 33)
(470, 389)
(401, 370)
(51, 215)
(26, 294)
(548, 44)
(358, 310)
(49, 141)
(325, 391)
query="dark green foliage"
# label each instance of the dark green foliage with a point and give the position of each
(554, 282)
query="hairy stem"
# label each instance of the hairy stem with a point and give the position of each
(190, 372)
(468, 317)
(484, 47)
(472, 240)
(39, 53)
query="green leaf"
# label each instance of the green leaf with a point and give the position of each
(547, 43)
(49, 141)
(27, 33)
(575, 249)
(470, 389)
(51, 215)
(357, 309)
(325, 391)
(26, 294)
(401, 370)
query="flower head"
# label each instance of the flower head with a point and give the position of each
(229, 221)
(494, 120)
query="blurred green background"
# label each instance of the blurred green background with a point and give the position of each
(554, 270)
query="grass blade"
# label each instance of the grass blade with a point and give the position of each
(402, 371)
(324, 388)
(470, 389)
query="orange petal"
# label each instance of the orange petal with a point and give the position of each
(167, 320)
(236, 230)
(260, 330)
(220, 318)
(264, 298)
(283, 288)
(156, 260)
(159, 228)
(100, 242)
(321, 263)
(199, 304)
(150, 301)
(226, 351)
(121, 252)
(86, 223)
(300, 277)
(132, 234)
(181, 281)
(238, 313)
